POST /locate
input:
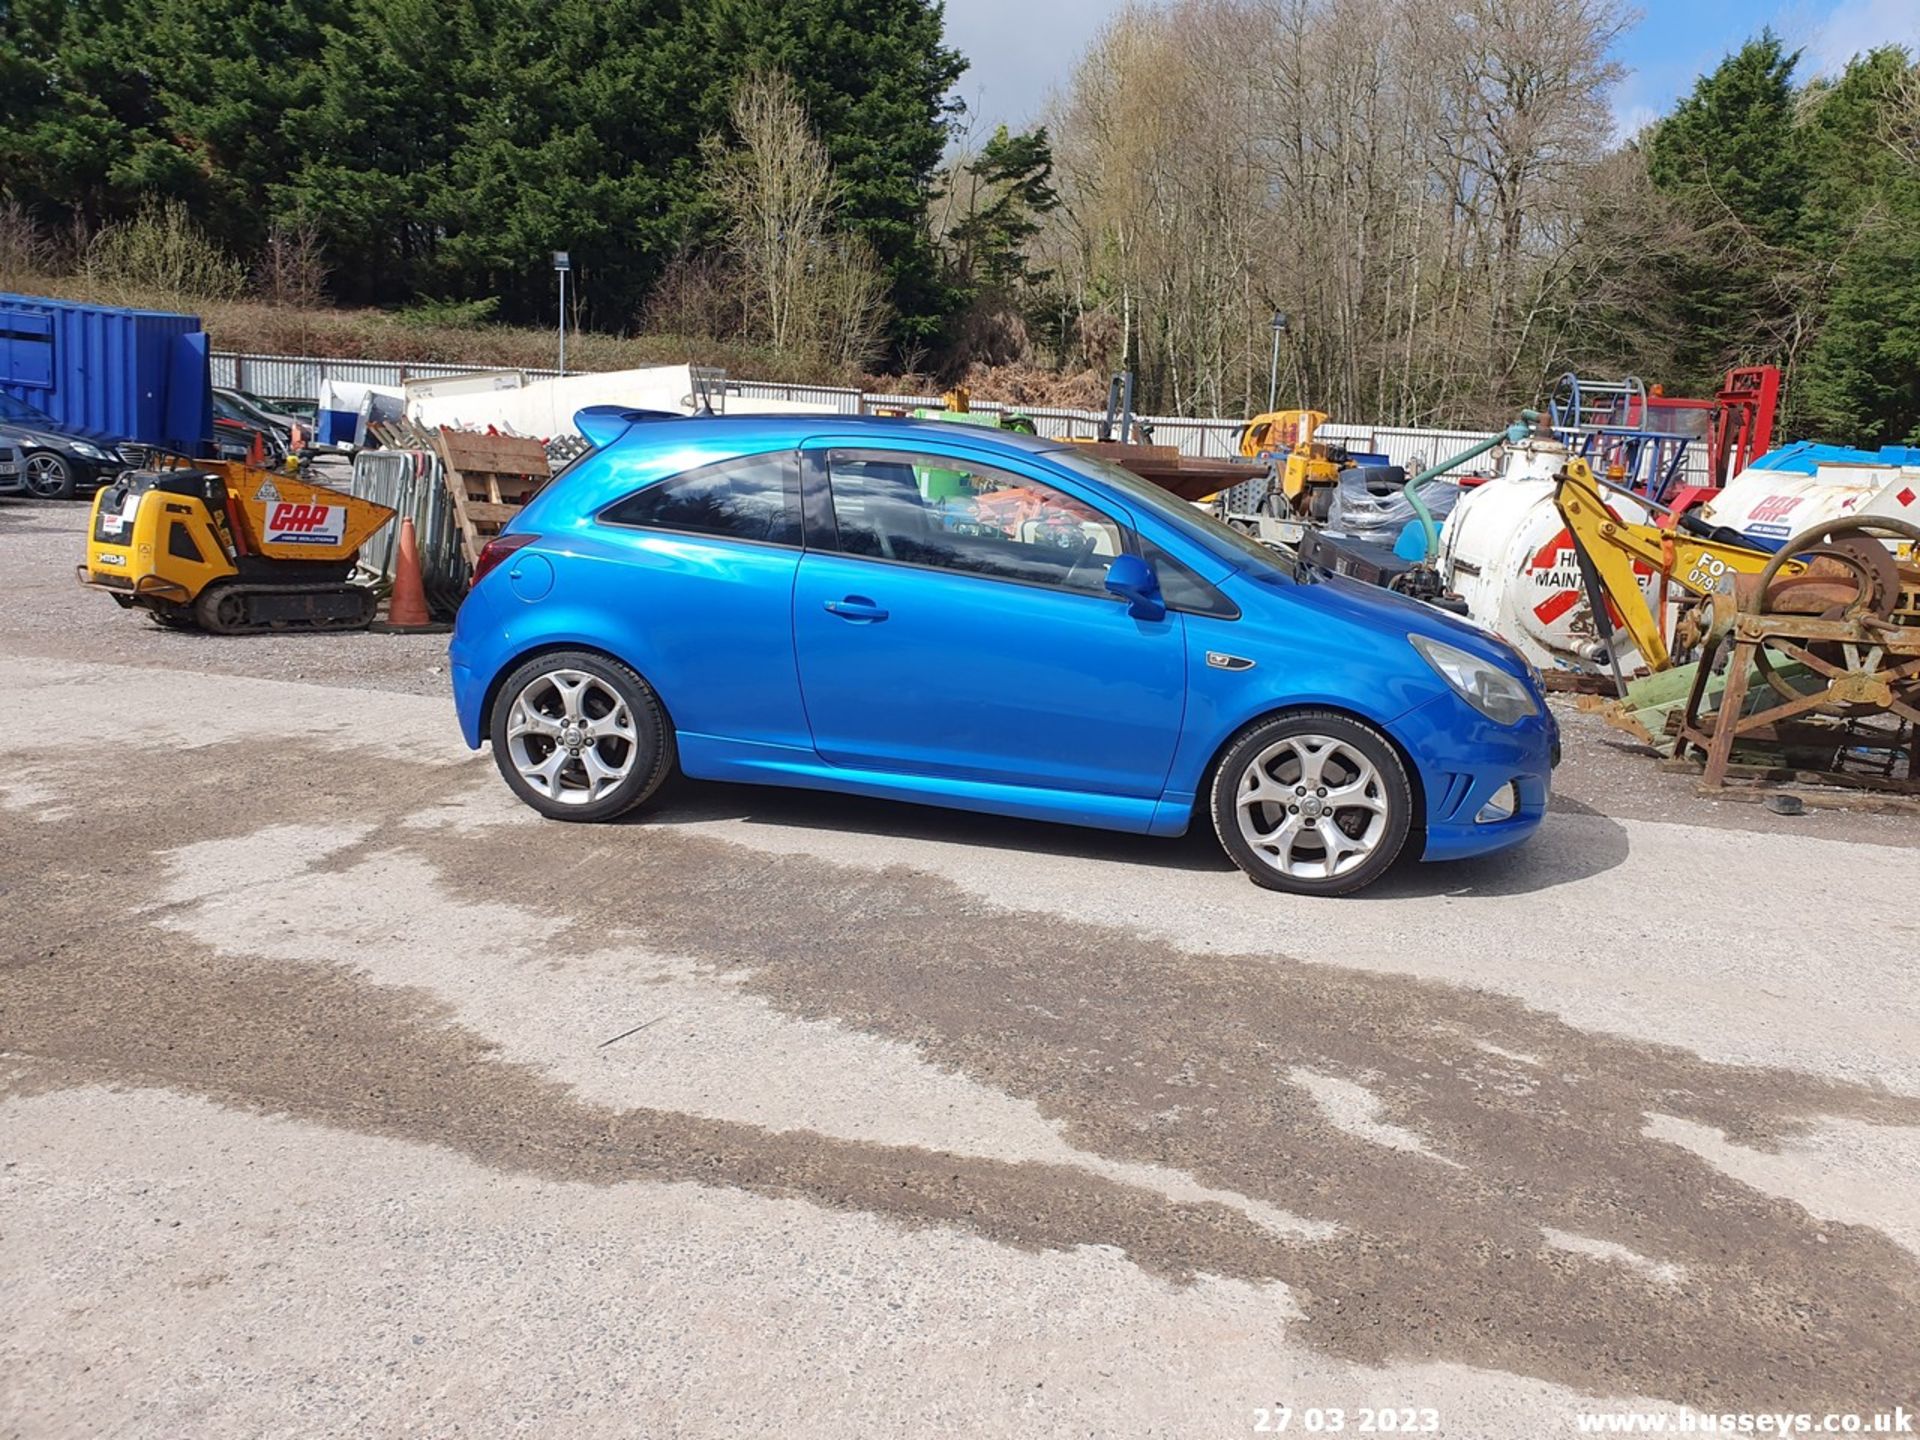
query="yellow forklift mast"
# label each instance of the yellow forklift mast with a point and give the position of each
(1311, 469)
(232, 548)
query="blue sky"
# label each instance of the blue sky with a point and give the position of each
(1023, 49)
(1673, 43)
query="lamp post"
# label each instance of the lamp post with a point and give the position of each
(562, 264)
(1273, 366)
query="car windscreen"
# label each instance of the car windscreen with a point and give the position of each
(1229, 544)
(19, 412)
(243, 407)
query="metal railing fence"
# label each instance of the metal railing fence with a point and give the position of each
(297, 377)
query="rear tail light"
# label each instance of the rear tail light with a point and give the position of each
(496, 550)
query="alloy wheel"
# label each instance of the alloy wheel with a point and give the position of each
(1312, 807)
(47, 477)
(571, 736)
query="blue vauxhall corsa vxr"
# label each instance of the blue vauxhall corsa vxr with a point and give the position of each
(931, 612)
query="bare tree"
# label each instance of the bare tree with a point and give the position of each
(26, 251)
(1405, 181)
(1901, 127)
(292, 269)
(808, 290)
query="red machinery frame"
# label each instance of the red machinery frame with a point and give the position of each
(1744, 411)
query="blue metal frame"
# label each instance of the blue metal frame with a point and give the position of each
(1587, 415)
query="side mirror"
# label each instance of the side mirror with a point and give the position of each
(1133, 580)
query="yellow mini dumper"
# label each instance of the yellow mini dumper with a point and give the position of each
(230, 548)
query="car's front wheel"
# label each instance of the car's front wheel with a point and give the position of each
(48, 476)
(1313, 802)
(580, 737)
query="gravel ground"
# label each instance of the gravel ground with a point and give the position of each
(53, 616)
(339, 1094)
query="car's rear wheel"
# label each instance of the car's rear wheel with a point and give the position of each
(580, 737)
(1313, 802)
(48, 477)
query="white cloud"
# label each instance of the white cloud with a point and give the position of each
(1630, 119)
(1854, 27)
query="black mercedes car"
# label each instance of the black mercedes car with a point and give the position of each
(57, 461)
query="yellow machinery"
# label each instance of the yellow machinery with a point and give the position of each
(1610, 548)
(1841, 569)
(1312, 469)
(1809, 656)
(232, 548)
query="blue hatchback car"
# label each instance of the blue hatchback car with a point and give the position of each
(936, 613)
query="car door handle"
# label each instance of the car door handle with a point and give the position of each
(856, 608)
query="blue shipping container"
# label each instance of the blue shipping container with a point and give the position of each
(140, 375)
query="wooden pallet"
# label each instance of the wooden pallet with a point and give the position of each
(489, 478)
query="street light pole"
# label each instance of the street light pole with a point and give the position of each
(1273, 366)
(562, 264)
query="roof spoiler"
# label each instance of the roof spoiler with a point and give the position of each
(604, 424)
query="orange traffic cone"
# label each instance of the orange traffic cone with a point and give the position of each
(407, 605)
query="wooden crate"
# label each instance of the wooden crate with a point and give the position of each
(489, 478)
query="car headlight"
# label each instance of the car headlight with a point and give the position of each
(1495, 693)
(86, 451)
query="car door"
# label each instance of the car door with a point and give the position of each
(699, 582)
(951, 619)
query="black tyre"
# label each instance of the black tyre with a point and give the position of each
(580, 737)
(47, 476)
(1312, 802)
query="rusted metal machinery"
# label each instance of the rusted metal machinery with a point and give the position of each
(1821, 665)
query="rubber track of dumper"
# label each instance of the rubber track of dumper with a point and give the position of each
(205, 610)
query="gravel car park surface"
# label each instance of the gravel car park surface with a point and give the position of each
(341, 1094)
(51, 614)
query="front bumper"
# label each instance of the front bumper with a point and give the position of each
(87, 475)
(90, 474)
(1465, 760)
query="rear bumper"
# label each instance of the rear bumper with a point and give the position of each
(1465, 761)
(102, 581)
(464, 665)
(129, 590)
(469, 690)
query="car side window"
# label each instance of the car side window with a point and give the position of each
(751, 497)
(954, 514)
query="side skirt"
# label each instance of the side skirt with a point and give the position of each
(708, 757)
